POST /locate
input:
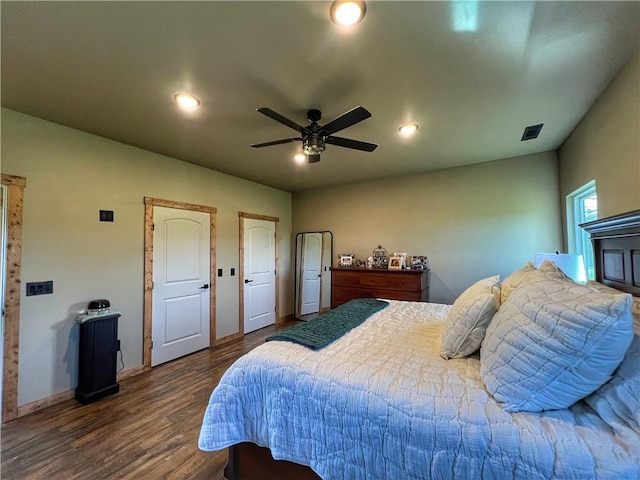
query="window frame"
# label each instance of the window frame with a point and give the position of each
(578, 241)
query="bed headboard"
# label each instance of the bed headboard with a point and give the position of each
(616, 246)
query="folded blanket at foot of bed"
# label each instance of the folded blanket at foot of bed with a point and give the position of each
(321, 331)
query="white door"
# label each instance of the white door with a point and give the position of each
(311, 273)
(181, 262)
(259, 274)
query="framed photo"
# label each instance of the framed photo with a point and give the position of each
(346, 259)
(404, 255)
(396, 262)
(419, 262)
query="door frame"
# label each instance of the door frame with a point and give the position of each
(11, 341)
(253, 216)
(149, 203)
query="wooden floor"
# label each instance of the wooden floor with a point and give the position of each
(149, 430)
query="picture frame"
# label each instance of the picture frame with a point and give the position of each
(346, 259)
(396, 262)
(403, 254)
(419, 262)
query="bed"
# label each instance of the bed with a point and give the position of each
(405, 395)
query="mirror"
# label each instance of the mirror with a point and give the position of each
(314, 251)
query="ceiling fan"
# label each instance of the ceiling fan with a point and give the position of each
(314, 136)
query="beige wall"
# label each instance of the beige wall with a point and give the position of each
(71, 175)
(472, 222)
(605, 146)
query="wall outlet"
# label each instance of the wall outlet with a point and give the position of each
(118, 345)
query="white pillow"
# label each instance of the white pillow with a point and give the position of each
(618, 401)
(468, 318)
(510, 283)
(524, 275)
(552, 343)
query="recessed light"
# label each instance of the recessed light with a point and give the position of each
(347, 12)
(187, 101)
(300, 157)
(408, 129)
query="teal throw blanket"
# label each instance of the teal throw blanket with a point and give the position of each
(321, 331)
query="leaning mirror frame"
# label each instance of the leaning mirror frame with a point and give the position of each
(312, 297)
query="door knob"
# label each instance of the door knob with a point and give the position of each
(205, 286)
(248, 281)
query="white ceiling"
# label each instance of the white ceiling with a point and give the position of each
(111, 68)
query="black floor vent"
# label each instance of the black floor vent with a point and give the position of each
(531, 132)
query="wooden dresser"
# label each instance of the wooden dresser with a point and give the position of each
(348, 283)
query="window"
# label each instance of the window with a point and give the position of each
(582, 206)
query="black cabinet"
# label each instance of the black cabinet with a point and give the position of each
(97, 364)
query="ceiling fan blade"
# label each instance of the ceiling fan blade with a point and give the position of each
(355, 144)
(345, 120)
(313, 158)
(277, 142)
(283, 120)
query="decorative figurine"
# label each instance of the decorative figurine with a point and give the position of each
(380, 258)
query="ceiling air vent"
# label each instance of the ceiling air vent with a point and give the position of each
(531, 132)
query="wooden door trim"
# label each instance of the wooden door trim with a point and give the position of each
(276, 221)
(149, 203)
(11, 341)
(256, 216)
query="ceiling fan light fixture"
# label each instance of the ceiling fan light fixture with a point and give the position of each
(408, 129)
(313, 146)
(186, 101)
(347, 13)
(300, 158)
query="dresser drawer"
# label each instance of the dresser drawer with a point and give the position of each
(364, 279)
(344, 294)
(403, 282)
(398, 295)
(345, 278)
(373, 280)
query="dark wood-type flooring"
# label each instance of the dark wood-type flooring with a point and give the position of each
(149, 430)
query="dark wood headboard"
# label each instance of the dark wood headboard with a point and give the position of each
(616, 246)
